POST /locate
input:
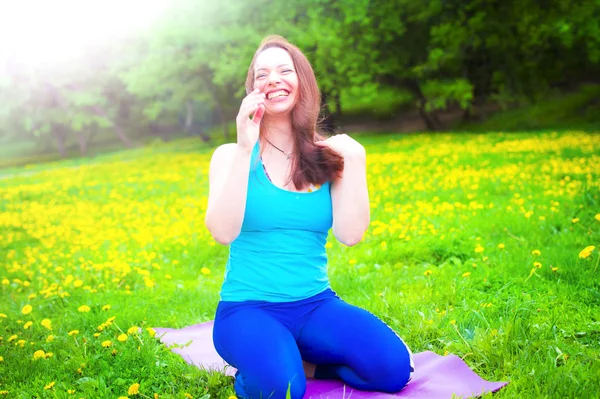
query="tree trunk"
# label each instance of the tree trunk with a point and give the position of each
(426, 118)
(82, 144)
(189, 118)
(60, 137)
(118, 129)
(221, 113)
(430, 119)
(338, 104)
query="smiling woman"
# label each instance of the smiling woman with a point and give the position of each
(273, 197)
(40, 33)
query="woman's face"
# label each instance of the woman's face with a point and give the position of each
(275, 75)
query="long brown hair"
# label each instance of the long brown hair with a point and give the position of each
(312, 164)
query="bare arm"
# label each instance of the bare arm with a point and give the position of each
(228, 177)
(349, 193)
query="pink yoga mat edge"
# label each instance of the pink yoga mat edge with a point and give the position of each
(435, 376)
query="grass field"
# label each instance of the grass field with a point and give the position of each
(480, 245)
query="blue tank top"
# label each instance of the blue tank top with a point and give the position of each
(279, 255)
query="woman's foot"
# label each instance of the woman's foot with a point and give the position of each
(309, 369)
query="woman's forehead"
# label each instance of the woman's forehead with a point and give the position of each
(272, 58)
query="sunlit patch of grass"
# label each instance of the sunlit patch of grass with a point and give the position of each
(479, 246)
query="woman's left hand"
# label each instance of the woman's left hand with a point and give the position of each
(344, 145)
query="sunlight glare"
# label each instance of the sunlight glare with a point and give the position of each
(42, 33)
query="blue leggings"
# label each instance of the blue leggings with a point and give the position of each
(267, 343)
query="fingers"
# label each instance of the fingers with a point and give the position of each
(251, 104)
(260, 111)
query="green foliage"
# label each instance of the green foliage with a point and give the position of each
(437, 55)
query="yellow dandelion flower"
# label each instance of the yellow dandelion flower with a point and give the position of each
(96, 335)
(38, 354)
(114, 352)
(84, 308)
(106, 344)
(70, 391)
(74, 332)
(156, 396)
(122, 337)
(12, 338)
(27, 325)
(501, 246)
(537, 264)
(453, 322)
(26, 309)
(151, 331)
(597, 217)
(352, 261)
(50, 385)
(479, 249)
(466, 274)
(1, 359)
(536, 252)
(575, 220)
(133, 330)
(5, 281)
(587, 251)
(50, 338)
(47, 323)
(110, 319)
(188, 396)
(205, 271)
(134, 389)
(123, 397)
(427, 272)
(3, 316)
(106, 307)
(49, 355)
(554, 269)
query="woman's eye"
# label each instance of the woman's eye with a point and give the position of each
(286, 71)
(262, 75)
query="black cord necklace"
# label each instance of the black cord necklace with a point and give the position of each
(288, 156)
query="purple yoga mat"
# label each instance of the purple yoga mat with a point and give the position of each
(435, 376)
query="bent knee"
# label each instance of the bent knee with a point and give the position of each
(394, 372)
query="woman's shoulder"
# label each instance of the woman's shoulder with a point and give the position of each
(225, 153)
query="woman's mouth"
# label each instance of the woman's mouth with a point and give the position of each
(278, 95)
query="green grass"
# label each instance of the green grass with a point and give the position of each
(127, 230)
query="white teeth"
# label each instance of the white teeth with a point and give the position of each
(277, 94)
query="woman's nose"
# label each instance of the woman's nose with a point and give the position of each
(274, 78)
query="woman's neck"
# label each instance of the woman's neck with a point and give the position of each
(278, 130)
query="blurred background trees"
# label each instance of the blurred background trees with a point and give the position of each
(443, 64)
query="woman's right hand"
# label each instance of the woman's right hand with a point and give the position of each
(248, 129)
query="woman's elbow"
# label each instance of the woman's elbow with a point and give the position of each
(220, 235)
(350, 238)
(351, 241)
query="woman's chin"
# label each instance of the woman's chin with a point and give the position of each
(278, 110)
